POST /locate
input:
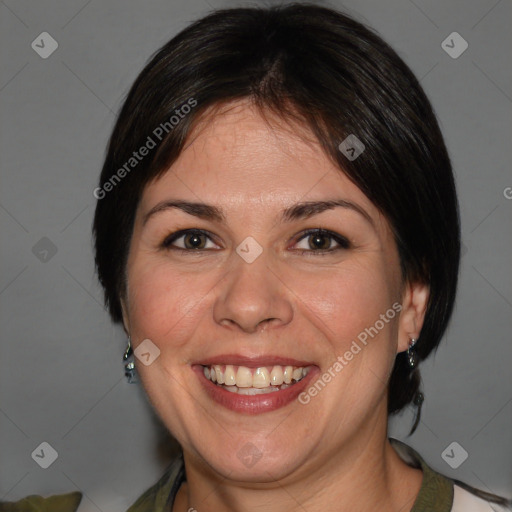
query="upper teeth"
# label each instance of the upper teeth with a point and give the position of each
(262, 377)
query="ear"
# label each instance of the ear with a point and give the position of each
(414, 304)
(126, 323)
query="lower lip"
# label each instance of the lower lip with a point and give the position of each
(254, 404)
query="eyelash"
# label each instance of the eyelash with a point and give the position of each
(343, 243)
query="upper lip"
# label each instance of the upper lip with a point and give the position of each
(253, 362)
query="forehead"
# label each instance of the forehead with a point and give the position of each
(236, 158)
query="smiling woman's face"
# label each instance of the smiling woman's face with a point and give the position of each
(301, 302)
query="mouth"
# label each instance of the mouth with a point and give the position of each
(254, 381)
(256, 386)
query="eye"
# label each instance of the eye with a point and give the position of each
(189, 240)
(321, 241)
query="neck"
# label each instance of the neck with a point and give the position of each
(365, 473)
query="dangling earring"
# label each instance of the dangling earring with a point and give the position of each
(129, 368)
(412, 357)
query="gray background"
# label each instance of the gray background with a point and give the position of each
(61, 374)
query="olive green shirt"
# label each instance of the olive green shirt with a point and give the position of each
(436, 492)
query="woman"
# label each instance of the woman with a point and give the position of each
(277, 230)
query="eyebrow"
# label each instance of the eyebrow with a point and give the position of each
(303, 210)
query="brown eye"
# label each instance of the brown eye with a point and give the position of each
(194, 240)
(319, 241)
(322, 241)
(188, 240)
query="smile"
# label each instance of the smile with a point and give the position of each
(254, 381)
(254, 386)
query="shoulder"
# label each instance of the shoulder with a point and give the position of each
(160, 496)
(465, 501)
(34, 503)
(443, 494)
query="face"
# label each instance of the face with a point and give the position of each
(256, 260)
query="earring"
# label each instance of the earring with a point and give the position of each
(129, 368)
(412, 356)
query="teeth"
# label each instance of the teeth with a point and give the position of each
(256, 391)
(219, 374)
(229, 376)
(297, 374)
(243, 377)
(261, 378)
(253, 381)
(276, 376)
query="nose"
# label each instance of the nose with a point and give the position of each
(252, 297)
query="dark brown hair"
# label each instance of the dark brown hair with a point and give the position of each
(336, 77)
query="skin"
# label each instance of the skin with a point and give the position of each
(333, 453)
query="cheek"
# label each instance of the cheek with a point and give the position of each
(346, 301)
(353, 310)
(165, 304)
